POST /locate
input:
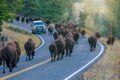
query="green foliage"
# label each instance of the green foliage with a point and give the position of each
(1, 22)
(30, 8)
(114, 16)
(0, 28)
(8, 8)
(82, 18)
(53, 10)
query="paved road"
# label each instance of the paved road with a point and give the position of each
(69, 68)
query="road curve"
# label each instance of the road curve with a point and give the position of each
(40, 68)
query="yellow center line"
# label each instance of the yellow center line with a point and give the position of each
(24, 70)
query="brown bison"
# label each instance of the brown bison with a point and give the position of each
(50, 29)
(61, 45)
(53, 51)
(97, 34)
(9, 56)
(69, 45)
(83, 32)
(29, 47)
(76, 36)
(92, 42)
(111, 40)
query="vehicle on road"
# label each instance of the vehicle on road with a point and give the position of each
(38, 27)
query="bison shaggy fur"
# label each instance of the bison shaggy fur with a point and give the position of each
(110, 40)
(61, 45)
(53, 51)
(9, 56)
(29, 48)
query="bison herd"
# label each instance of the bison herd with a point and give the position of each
(10, 54)
(65, 37)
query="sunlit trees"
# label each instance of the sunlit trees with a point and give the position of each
(113, 15)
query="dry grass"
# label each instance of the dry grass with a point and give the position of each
(108, 68)
(21, 38)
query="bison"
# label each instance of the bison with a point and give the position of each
(61, 45)
(69, 46)
(50, 29)
(97, 34)
(83, 32)
(92, 42)
(9, 56)
(111, 40)
(29, 47)
(53, 51)
(76, 36)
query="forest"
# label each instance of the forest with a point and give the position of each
(103, 17)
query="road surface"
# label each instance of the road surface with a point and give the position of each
(41, 68)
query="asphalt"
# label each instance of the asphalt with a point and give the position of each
(41, 68)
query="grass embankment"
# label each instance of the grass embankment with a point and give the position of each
(16, 34)
(108, 67)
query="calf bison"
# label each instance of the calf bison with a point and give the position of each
(29, 47)
(9, 56)
(53, 51)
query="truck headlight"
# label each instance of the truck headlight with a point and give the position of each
(33, 27)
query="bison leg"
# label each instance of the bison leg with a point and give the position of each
(33, 53)
(94, 46)
(71, 50)
(91, 49)
(63, 52)
(58, 56)
(3, 66)
(10, 67)
(51, 57)
(54, 57)
(66, 52)
(29, 57)
(26, 57)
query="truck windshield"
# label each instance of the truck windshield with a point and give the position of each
(38, 23)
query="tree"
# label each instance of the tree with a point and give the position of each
(82, 18)
(8, 9)
(113, 15)
(54, 10)
(30, 8)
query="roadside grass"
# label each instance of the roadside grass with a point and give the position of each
(16, 34)
(108, 67)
